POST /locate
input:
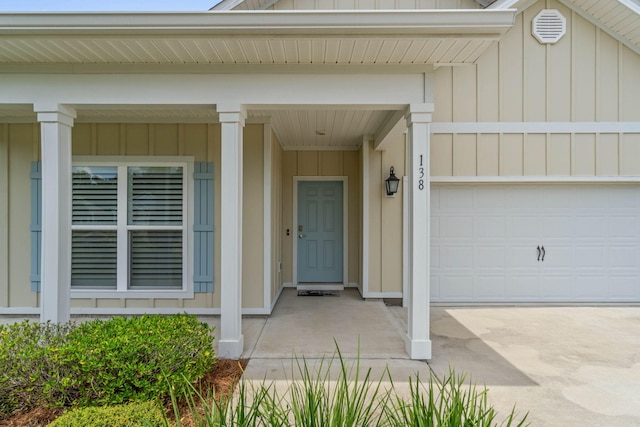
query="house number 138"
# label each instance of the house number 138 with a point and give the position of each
(421, 174)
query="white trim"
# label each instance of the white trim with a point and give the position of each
(382, 295)
(266, 201)
(535, 127)
(277, 297)
(533, 179)
(122, 163)
(366, 147)
(288, 285)
(352, 285)
(405, 242)
(345, 223)
(311, 23)
(20, 311)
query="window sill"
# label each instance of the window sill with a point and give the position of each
(156, 294)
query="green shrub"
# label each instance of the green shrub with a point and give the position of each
(147, 414)
(122, 359)
(30, 367)
(100, 362)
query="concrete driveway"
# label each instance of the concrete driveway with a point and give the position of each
(567, 366)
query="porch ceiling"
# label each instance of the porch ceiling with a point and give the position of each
(297, 129)
(241, 37)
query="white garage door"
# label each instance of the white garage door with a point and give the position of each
(533, 243)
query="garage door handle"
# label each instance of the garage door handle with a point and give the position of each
(543, 253)
(538, 248)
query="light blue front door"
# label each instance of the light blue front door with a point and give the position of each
(320, 231)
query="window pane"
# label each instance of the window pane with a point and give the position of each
(155, 195)
(95, 194)
(156, 259)
(93, 259)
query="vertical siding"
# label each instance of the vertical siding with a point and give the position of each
(4, 215)
(586, 77)
(19, 146)
(385, 217)
(320, 163)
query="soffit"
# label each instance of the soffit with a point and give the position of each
(231, 37)
(622, 18)
(296, 129)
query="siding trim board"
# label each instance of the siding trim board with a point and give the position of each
(534, 127)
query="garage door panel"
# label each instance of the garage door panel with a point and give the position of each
(457, 198)
(435, 287)
(523, 226)
(557, 256)
(457, 257)
(556, 287)
(456, 287)
(591, 227)
(523, 287)
(623, 257)
(589, 287)
(490, 227)
(558, 226)
(624, 288)
(457, 227)
(435, 227)
(490, 257)
(622, 227)
(623, 197)
(490, 288)
(492, 199)
(524, 255)
(488, 252)
(591, 257)
(557, 197)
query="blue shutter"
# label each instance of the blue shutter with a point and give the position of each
(203, 227)
(36, 225)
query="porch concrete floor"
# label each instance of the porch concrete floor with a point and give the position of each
(567, 366)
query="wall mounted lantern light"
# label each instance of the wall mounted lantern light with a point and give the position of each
(391, 183)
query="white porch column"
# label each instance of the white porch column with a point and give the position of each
(56, 122)
(231, 343)
(418, 343)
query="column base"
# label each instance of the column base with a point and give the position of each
(418, 349)
(231, 349)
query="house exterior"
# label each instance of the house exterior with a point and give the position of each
(201, 162)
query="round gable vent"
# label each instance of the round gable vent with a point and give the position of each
(549, 26)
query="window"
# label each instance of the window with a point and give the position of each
(130, 226)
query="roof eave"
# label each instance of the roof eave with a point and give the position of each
(414, 22)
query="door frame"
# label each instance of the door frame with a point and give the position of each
(345, 224)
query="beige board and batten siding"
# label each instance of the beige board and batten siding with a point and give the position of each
(19, 146)
(587, 77)
(372, 4)
(314, 164)
(385, 218)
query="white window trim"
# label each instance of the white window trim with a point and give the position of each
(187, 162)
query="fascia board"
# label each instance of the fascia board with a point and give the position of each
(406, 22)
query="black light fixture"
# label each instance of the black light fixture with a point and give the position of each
(391, 183)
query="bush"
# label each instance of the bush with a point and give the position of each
(100, 362)
(147, 414)
(120, 360)
(30, 364)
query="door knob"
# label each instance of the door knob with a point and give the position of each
(301, 235)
